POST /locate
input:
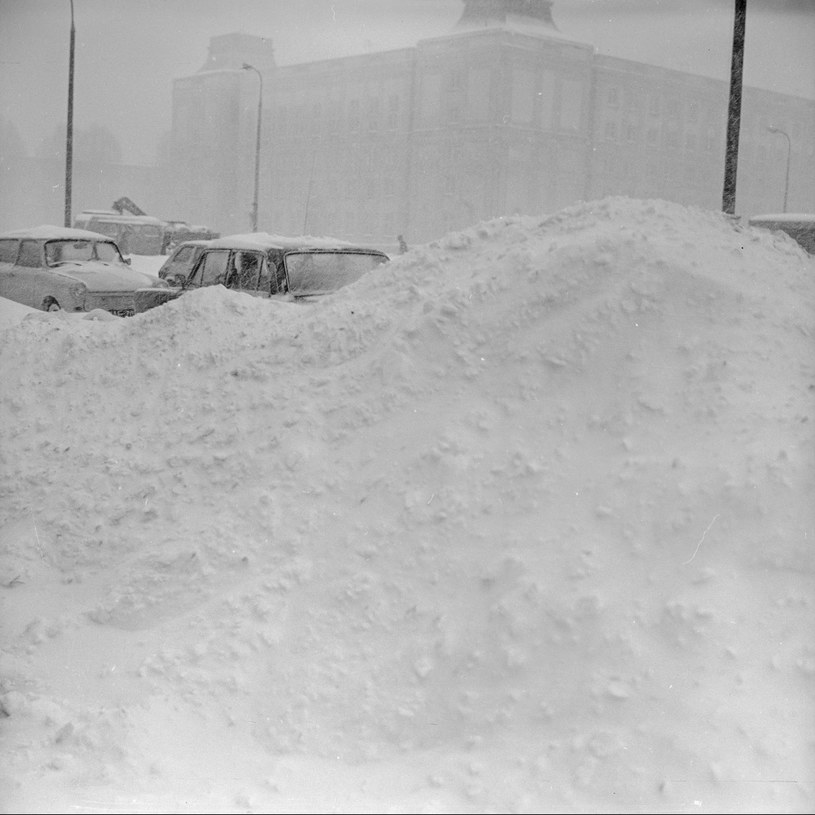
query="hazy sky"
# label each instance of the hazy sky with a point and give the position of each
(129, 51)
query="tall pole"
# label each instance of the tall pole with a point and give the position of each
(731, 159)
(247, 67)
(69, 133)
(308, 194)
(786, 135)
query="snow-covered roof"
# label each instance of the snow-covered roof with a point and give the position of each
(264, 241)
(117, 217)
(785, 217)
(49, 232)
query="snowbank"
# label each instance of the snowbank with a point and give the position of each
(522, 522)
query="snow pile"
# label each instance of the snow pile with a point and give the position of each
(530, 507)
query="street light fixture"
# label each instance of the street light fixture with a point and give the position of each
(774, 129)
(247, 67)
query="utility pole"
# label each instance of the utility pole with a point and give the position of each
(731, 159)
(247, 67)
(69, 133)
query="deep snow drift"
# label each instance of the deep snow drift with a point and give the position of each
(522, 522)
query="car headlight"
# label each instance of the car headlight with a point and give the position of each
(161, 284)
(78, 290)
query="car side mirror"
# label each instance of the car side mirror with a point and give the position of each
(128, 260)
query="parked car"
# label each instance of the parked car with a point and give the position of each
(800, 227)
(181, 261)
(177, 232)
(134, 234)
(262, 265)
(53, 268)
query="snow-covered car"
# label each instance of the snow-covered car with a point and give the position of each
(181, 261)
(56, 268)
(263, 265)
(799, 226)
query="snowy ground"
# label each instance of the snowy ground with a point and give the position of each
(521, 523)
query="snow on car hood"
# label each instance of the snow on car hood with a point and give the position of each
(106, 276)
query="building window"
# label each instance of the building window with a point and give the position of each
(523, 96)
(373, 115)
(478, 95)
(613, 97)
(571, 104)
(393, 111)
(610, 131)
(353, 115)
(546, 100)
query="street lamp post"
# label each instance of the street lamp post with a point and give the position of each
(69, 131)
(774, 129)
(247, 67)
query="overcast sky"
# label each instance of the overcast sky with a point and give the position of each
(129, 51)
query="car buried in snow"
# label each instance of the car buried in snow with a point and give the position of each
(799, 226)
(56, 268)
(263, 265)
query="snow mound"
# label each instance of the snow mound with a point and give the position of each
(523, 486)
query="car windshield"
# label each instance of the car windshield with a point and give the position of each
(319, 272)
(80, 250)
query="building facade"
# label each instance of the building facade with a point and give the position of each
(503, 115)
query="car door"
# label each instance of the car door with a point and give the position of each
(33, 282)
(11, 278)
(246, 270)
(211, 269)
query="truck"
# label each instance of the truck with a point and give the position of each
(138, 233)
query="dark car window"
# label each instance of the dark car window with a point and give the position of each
(245, 270)
(8, 250)
(212, 268)
(30, 254)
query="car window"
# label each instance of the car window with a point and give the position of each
(105, 228)
(212, 268)
(30, 254)
(108, 252)
(8, 250)
(317, 272)
(245, 270)
(183, 254)
(61, 251)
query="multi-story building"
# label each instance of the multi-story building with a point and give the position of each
(505, 114)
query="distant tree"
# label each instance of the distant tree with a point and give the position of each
(11, 143)
(91, 144)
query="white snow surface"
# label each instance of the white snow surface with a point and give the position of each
(522, 522)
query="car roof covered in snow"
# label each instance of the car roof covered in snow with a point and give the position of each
(49, 232)
(783, 218)
(264, 241)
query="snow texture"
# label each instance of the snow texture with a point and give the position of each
(520, 522)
